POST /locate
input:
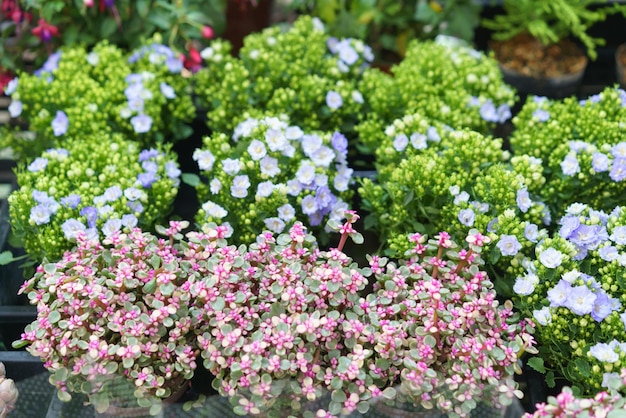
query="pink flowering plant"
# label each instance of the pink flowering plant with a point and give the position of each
(116, 318)
(581, 146)
(80, 91)
(607, 403)
(283, 330)
(79, 188)
(441, 337)
(571, 284)
(269, 174)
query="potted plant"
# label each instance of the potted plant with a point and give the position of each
(441, 338)
(8, 393)
(269, 174)
(533, 43)
(141, 94)
(80, 188)
(282, 327)
(116, 320)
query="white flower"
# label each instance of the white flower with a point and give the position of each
(269, 166)
(274, 224)
(575, 208)
(15, 108)
(231, 166)
(333, 100)
(293, 132)
(215, 186)
(571, 276)
(204, 158)
(207, 53)
(523, 286)
(418, 140)
(214, 210)
(125, 113)
(341, 183)
(543, 315)
(167, 91)
(306, 173)
(455, 190)
(257, 150)
(357, 97)
(275, 139)
(604, 353)
(310, 144)
(323, 156)
(400, 142)
(11, 86)
(286, 212)
(551, 258)
(111, 226)
(347, 54)
(461, 197)
(240, 185)
(264, 189)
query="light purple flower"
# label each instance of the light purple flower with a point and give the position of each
(523, 200)
(171, 170)
(265, 189)
(111, 226)
(400, 142)
(274, 224)
(231, 166)
(524, 286)
(129, 221)
(60, 123)
(167, 91)
(619, 150)
(286, 212)
(559, 293)
(618, 169)
(578, 146)
(72, 227)
(542, 115)
(11, 86)
(418, 140)
(580, 300)
(543, 316)
(71, 201)
(467, 217)
(91, 214)
(551, 258)
(509, 245)
(492, 225)
(608, 253)
(133, 193)
(531, 232)
(325, 198)
(588, 236)
(147, 179)
(604, 352)
(148, 154)
(135, 206)
(333, 100)
(339, 143)
(432, 134)
(305, 173)
(15, 108)
(602, 306)
(174, 65)
(618, 235)
(599, 162)
(150, 166)
(40, 214)
(347, 54)
(39, 164)
(112, 193)
(141, 123)
(309, 205)
(568, 226)
(570, 165)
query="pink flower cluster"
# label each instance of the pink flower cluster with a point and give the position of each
(441, 335)
(277, 313)
(120, 309)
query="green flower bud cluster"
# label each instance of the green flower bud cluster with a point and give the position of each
(80, 188)
(79, 92)
(271, 174)
(411, 191)
(282, 71)
(453, 84)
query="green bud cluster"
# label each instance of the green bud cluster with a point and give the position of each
(89, 87)
(279, 71)
(439, 81)
(87, 171)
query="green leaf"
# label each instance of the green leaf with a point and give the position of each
(143, 7)
(191, 179)
(550, 379)
(108, 28)
(537, 364)
(159, 19)
(583, 367)
(6, 257)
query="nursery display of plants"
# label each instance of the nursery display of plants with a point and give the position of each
(294, 229)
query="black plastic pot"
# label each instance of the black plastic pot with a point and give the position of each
(553, 87)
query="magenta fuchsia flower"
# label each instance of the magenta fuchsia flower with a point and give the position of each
(45, 31)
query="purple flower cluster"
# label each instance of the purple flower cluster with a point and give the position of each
(158, 54)
(614, 162)
(490, 113)
(350, 53)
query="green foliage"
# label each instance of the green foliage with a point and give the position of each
(550, 21)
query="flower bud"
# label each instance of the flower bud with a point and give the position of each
(207, 32)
